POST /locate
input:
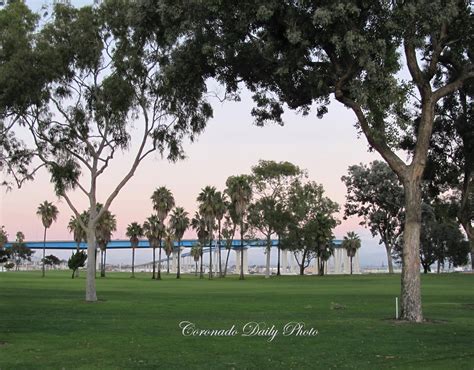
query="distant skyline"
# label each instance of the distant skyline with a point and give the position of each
(230, 145)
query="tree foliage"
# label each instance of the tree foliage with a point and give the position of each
(375, 194)
(312, 219)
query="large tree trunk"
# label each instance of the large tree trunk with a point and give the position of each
(91, 295)
(267, 264)
(44, 252)
(411, 291)
(278, 263)
(388, 249)
(168, 264)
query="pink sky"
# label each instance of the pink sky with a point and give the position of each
(230, 145)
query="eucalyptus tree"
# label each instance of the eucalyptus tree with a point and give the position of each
(199, 224)
(86, 79)
(153, 229)
(271, 181)
(239, 190)
(303, 53)
(312, 219)
(19, 251)
(134, 232)
(375, 194)
(179, 223)
(163, 203)
(207, 208)
(48, 213)
(351, 243)
(450, 165)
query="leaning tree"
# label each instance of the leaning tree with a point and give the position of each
(302, 53)
(89, 88)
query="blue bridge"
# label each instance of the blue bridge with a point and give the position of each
(124, 244)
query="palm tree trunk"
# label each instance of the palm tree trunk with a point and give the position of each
(219, 247)
(178, 271)
(104, 259)
(351, 264)
(159, 261)
(278, 263)
(210, 258)
(196, 268)
(241, 252)
(153, 276)
(168, 265)
(201, 276)
(133, 262)
(44, 252)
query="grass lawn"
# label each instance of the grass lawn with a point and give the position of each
(44, 323)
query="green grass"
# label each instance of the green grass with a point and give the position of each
(44, 323)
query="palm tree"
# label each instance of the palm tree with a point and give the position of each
(106, 225)
(228, 233)
(200, 226)
(239, 190)
(134, 232)
(153, 229)
(179, 222)
(163, 203)
(169, 246)
(79, 235)
(351, 243)
(48, 213)
(207, 200)
(220, 208)
(196, 254)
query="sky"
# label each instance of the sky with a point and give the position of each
(230, 145)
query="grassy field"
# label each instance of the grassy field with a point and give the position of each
(44, 323)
